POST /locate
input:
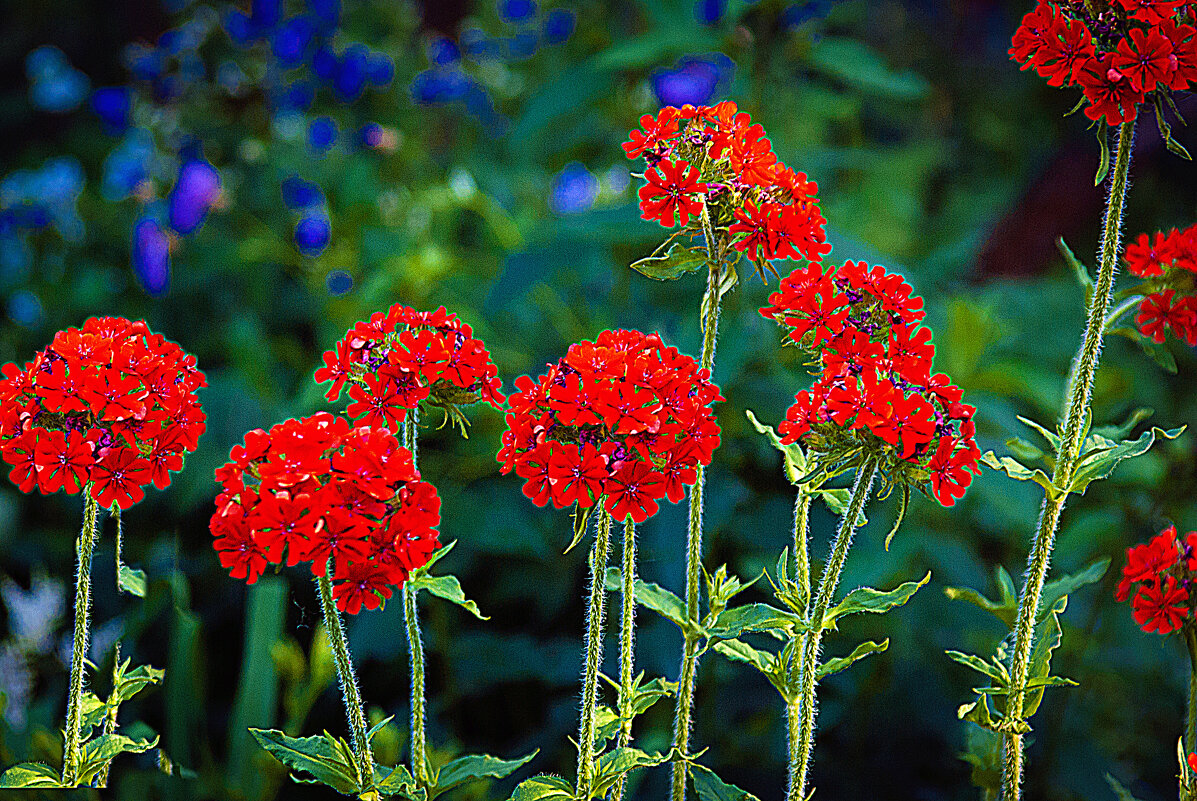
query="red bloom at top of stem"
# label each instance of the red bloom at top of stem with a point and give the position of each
(1119, 57)
(875, 392)
(397, 359)
(623, 420)
(715, 156)
(1157, 577)
(341, 497)
(109, 407)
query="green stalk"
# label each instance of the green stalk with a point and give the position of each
(349, 691)
(74, 722)
(411, 617)
(813, 638)
(1191, 719)
(1080, 392)
(689, 668)
(627, 640)
(594, 653)
(795, 669)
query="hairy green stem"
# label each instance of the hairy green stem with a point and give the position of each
(627, 641)
(594, 652)
(794, 670)
(813, 638)
(74, 722)
(1191, 718)
(415, 646)
(1080, 392)
(349, 691)
(689, 668)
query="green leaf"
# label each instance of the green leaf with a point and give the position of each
(877, 602)
(321, 758)
(1156, 351)
(474, 767)
(837, 502)
(1128, 425)
(29, 775)
(437, 555)
(838, 663)
(129, 683)
(983, 750)
(1066, 585)
(544, 788)
(794, 461)
(757, 617)
(1004, 609)
(102, 750)
(769, 665)
(1050, 436)
(449, 588)
(607, 724)
(993, 670)
(1080, 270)
(901, 515)
(581, 518)
(658, 599)
(615, 764)
(1103, 165)
(130, 580)
(397, 781)
(1047, 638)
(710, 787)
(1017, 470)
(1120, 791)
(678, 261)
(1101, 466)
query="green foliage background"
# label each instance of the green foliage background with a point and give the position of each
(934, 156)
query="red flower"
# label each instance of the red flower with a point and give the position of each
(1037, 27)
(1110, 93)
(1145, 58)
(633, 491)
(656, 130)
(1148, 561)
(753, 222)
(949, 474)
(667, 195)
(1062, 54)
(1153, 12)
(118, 477)
(1147, 257)
(1158, 312)
(1159, 606)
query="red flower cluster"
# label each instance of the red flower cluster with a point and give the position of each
(765, 209)
(398, 359)
(107, 408)
(1160, 573)
(1117, 56)
(345, 498)
(875, 388)
(624, 418)
(1168, 262)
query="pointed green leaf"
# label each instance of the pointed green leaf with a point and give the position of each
(794, 461)
(658, 599)
(130, 580)
(319, 757)
(1066, 585)
(901, 515)
(97, 753)
(544, 788)
(30, 775)
(1080, 270)
(1120, 791)
(614, 765)
(740, 651)
(710, 787)
(756, 617)
(1004, 609)
(474, 767)
(679, 260)
(1050, 436)
(867, 599)
(983, 751)
(1156, 351)
(1017, 470)
(438, 555)
(1101, 466)
(837, 501)
(397, 781)
(1103, 164)
(838, 663)
(1123, 429)
(448, 588)
(581, 518)
(130, 682)
(997, 672)
(1047, 638)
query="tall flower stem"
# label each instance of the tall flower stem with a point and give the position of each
(813, 638)
(594, 652)
(349, 691)
(411, 617)
(1191, 717)
(74, 722)
(796, 666)
(1080, 392)
(627, 639)
(690, 646)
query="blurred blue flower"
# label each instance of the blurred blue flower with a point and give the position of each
(299, 194)
(54, 85)
(327, 13)
(516, 10)
(150, 255)
(322, 133)
(559, 25)
(128, 164)
(338, 282)
(324, 63)
(574, 190)
(24, 308)
(708, 12)
(48, 196)
(113, 104)
(194, 192)
(352, 73)
(380, 69)
(693, 79)
(443, 50)
(521, 46)
(440, 85)
(312, 234)
(291, 41)
(371, 135)
(797, 14)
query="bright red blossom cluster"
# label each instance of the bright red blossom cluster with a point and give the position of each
(1168, 263)
(1157, 578)
(345, 498)
(107, 408)
(717, 155)
(625, 419)
(1118, 56)
(875, 387)
(398, 359)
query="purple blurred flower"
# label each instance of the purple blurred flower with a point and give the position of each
(692, 80)
(312, 234)
(574, 190)
(151, 256)
(195, 191)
